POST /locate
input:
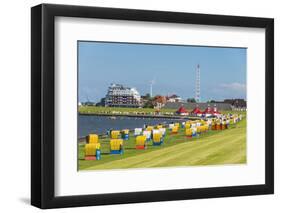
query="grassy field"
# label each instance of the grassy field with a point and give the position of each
(123, 110)
(211, 148)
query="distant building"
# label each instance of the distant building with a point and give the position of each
(211, 111)
(159, 101)
(121, 96)
(88, 103)
(174, 99)
(237, 103)
(201, 106)
(196, 111)
(182, 111)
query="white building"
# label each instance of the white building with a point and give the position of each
(121, 96)
(174, 99)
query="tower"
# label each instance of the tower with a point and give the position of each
(197, 84)
(151, 84)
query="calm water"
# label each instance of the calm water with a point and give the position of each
(100, 124)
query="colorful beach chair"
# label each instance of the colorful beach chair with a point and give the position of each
(188, 132)
(115, 134)
(175, 130)
(199, 130)
(125, 134)
(157, 139)
(141, 142)
(187, 125)
(149, 128)
(171, 126)
(194, 131)
(92, 138)
(116, 146)
(137, 131)
(163, 131)
(159, 126)
(147, 134)
(92, 151)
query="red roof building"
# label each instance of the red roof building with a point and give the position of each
(182, 111)
(196, 110)
(215, 111)
(208, 110)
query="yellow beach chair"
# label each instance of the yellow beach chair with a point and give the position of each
(92, 151)
(157, 139)
(175, 129)
(116, 146)
(188, 132)
(92, 138)
(115, 134)
(141, 142)
(149, 128)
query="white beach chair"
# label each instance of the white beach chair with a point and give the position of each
(163, 131)
(147, 134)
(137, 131)
(171, 126)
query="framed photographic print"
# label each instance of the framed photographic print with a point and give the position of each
(136, 106)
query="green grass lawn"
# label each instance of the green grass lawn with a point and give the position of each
(211, 148)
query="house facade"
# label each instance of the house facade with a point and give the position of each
(122, 96)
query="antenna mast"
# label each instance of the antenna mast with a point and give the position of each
(197, 85)
(151, 84)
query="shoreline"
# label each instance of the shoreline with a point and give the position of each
(139, 116)
(83, 138)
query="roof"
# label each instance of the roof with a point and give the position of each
(182, 110)
(208, 110)
(196, 110)
(215, 111)
(201, 106)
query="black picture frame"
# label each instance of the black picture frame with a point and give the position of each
(43, 101)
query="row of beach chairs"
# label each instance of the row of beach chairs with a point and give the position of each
(155, 134)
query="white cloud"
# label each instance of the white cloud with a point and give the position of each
(235, 86)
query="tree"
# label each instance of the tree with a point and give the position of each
(147, 96)
(191, 100)
(101, 103)
(211, 101)
(148, 104)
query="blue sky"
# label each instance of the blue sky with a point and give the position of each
(172, 67)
